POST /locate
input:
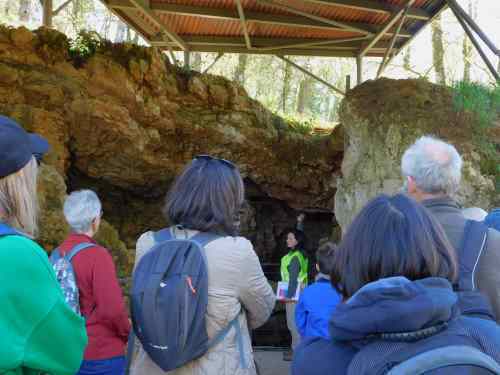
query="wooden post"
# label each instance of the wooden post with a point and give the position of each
(359, 69)
(187, 58)
(347, 82)
(47, 13)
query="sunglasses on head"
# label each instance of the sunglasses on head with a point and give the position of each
(208, 158)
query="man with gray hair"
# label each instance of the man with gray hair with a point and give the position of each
(100, 296)
(432, 170)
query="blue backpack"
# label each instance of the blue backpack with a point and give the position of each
(65, 274)
(169, 299)
(470, 300)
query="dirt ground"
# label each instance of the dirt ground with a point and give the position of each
(271, 362)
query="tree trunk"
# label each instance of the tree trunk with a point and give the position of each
(196, 61)
(285, 92)
(467, 48)
(121, 32)
(407, 59)
(304, 96)
(24, 10)
(438, 51)
(239, 73)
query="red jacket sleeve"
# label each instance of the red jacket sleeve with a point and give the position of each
(110, 307)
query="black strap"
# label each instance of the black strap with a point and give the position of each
(473, 244)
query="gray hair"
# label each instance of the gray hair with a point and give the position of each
(18, 199)
(81, 208)
(435, 166)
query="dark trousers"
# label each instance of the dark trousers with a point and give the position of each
(111, 366)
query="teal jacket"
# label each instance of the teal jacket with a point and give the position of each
(38, 332)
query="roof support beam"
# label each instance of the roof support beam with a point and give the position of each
(250, 16)
(305, 71)
(243, 21)
(273, 44)
(313, 44)
(328, 21)
(152, 17)
(374, 6)
(485, 58)
(219, 55)
(387, 26)
(387, 55)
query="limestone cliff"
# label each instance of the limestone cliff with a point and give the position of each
(124, 122)
(381, 119)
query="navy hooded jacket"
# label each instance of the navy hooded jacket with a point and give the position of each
(393, 305)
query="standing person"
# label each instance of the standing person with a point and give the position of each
(318, 301)
(100, 296)
(492, 220)
(205, 200)
(395, 269)
(39, 332)
(294, 270)
(432, 170)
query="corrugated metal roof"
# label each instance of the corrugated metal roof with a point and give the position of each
(199, 24)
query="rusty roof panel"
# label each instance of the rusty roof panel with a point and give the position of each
(224, 22)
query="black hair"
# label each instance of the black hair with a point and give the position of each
(299, 237)
(324, 257)
(206, 196)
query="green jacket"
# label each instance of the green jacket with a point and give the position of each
(38, 332)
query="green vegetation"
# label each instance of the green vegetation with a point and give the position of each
(482, 103)
(84, 46)
(88, 43)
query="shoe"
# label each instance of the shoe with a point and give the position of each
(288, 355)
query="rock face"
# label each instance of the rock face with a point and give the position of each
(124, 122)
(381, 119)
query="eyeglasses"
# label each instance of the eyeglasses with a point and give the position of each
(208, 158)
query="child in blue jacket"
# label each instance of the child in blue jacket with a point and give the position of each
(318, 301)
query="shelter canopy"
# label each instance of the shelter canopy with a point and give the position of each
(336, 28)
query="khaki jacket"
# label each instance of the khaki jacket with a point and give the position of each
(235, 283)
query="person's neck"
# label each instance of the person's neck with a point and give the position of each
(421, 196)
(89, 233)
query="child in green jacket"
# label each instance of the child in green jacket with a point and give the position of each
(39, 334)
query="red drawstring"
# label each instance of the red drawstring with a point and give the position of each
(190, 284)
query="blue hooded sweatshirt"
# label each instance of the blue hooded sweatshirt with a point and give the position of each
(315, 307)
(393, 305)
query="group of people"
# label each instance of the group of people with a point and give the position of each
(410, 274)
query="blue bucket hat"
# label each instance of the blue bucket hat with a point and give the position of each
(17, 147)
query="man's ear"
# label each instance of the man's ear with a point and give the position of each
(412, 185)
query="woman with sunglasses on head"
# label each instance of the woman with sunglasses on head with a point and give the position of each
(206, 198)
(395, 269)
(39, 332)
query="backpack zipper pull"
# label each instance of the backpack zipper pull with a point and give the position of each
(190, 284)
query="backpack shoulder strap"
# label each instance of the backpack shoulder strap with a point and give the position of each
(6, 230)
(473, 244)
(235, 323)
(163, 235)
(204, 238)
(453, 355)
(75, 250)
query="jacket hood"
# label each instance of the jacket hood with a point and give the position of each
(394, 305)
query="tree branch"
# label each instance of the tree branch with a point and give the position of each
(61, 7)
